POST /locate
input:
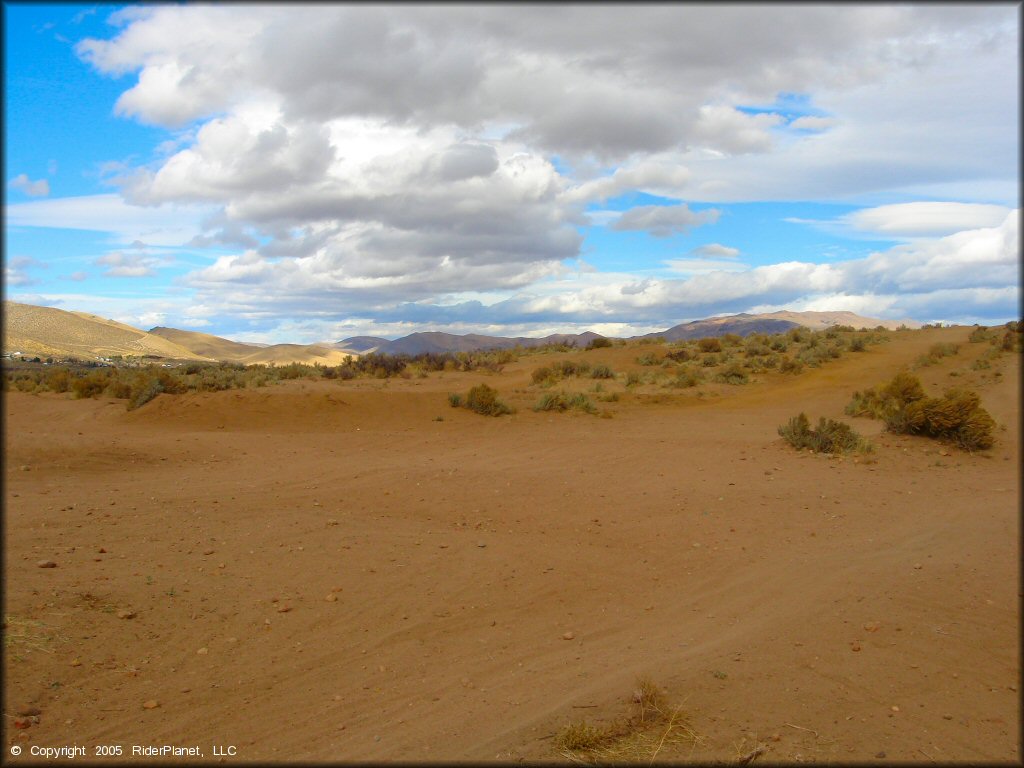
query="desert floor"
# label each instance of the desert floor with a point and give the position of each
(324, 571)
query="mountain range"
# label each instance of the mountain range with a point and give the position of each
(51, 332)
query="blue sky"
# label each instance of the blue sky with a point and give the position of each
(280, 174)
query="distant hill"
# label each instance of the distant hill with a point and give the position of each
(51, 332)
(438, 342)
(217, 348)
(741, 325)
(817, 321)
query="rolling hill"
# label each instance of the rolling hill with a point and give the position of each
(51, 332)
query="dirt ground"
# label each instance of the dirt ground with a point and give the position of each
(355, 571)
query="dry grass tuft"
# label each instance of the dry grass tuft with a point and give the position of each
(651, 726)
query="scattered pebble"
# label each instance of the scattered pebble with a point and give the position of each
(481, 544)
(209, 551)
(46, 564)
(28, 711)
(22, 723)
(331, 598)
(284, 609)
(895, 708)
(917, 566)
(776, 737)
(568, 635)
(872, 626)
(881, 755)
(76, 663)
(24, 467)
(124, 613)
(151, 704)
(854, 646)
(947, 717)
(202, 651)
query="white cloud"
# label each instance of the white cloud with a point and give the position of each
(925, 219)
(31, 188)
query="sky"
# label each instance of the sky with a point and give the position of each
(274, 173)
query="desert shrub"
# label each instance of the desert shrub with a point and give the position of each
(543, 375)
(599, 343)
(812, 356)
(936, 352)
(567, 368)
(90, 385)
(778, 344)
(829, 437)
(957, 416)
(789, 365)
(562, 401)
(686, 379)
(648, 358)
(454, 399)
(756, 348)
(732, 374)
(58, 379)
(146, 389)
(980, 333)
(632, 379)
(1010, 341)
(681, 355)
(710, 361)
(484, 400)
(602, 372)
(858, 344)
(709, 344)
(732, 340)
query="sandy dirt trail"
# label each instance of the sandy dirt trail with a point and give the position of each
(323, 571)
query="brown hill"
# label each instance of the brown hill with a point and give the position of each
(218, 348)
(51, 332)
(816, 321)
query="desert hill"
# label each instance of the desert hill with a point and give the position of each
(222, 349)
(817, 321)
(52, 332)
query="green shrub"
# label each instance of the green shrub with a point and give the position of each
(599, 343)
(602, 372)
(980, 333)
(484, 400)
(732, 374)
(790, 365)
(561, 401)
(709, 344)
(454, 399)
(829, 437)
(648, 358)
(58, 380)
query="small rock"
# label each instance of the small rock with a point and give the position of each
(202, 651)
(151, 704)
(24, 467)
(917, 566)
(854, 646)
(880, 755)
(776, 737)
(209, 551)
(872, 626)
(22, 723)
(895, 708)
(331, 598)
(46, 564)
(568, 635)
(124, 613)
(30, 711)
(481, 544)
(76, 663)
(102, 551)
(284, 609)
(947, 717)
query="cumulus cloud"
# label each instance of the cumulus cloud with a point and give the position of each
(31, 188)
(663, 220)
